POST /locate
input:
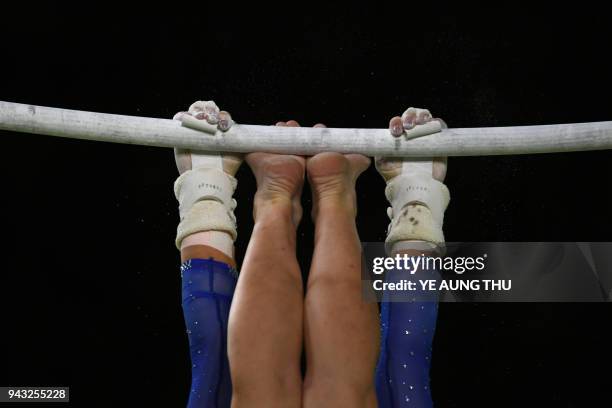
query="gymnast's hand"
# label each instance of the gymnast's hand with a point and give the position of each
(204, 190)
(390, 167)
(208, 111)
(415, 191)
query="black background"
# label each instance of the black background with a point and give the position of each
(90, 279)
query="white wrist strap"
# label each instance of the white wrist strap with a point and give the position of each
(420, 188)
(428, 198)
(204, 184)
(205, 202)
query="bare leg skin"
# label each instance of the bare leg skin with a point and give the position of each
(341, 330)
(265, 326)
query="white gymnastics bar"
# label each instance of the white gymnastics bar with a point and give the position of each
(423, 141)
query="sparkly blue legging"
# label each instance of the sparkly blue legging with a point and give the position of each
(407, 329)
(208, 287)
(402, 374)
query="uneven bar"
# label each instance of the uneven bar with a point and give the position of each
(423, 141)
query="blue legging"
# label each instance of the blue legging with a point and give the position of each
(208, 287)
(407, 329)
(402, 374)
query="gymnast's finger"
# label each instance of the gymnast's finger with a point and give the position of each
(409, 118)
(179, 115)
(423, 116)
(225, 121)
(205, 110)
(395, 126)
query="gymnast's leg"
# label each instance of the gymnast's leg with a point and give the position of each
(205, 237)
(341, 330)
(265, 328)
(208, 283)
(407, 330)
